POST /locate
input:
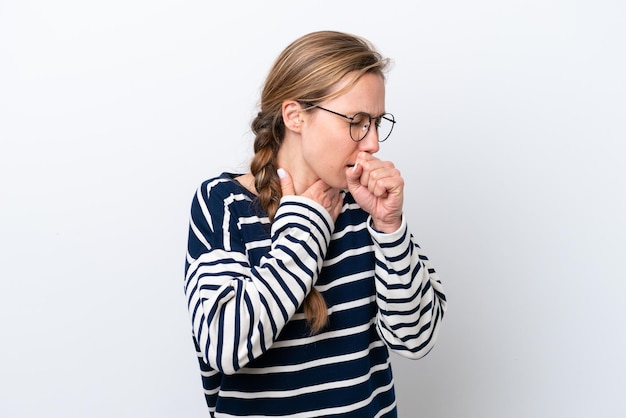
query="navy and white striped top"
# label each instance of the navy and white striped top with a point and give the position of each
(246, 279)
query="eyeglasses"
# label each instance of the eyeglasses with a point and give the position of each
(361, 122)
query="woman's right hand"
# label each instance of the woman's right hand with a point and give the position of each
(320, 192)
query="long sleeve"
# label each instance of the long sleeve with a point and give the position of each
(245, 282)
(238, 309)
(409, 294)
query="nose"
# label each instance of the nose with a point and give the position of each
(370, 143)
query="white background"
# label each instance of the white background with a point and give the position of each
(511, 125)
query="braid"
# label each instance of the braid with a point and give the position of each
(315, 311)
(268, 131)
(263, 164)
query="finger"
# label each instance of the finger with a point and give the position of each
(362, 165)
(286, 184)
(370, 167)
(382, 170)
(333, 202)
(353, 175)
(380, 188)
(330, 198)
(389, 187)
(391, 183)
(336, 209)
(317, 190)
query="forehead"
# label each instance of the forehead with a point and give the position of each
(367, 94)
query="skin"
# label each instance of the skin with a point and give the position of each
(318, 158)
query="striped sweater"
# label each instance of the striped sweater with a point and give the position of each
(245, 280)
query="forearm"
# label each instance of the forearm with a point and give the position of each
(238, 310)
(410, 296)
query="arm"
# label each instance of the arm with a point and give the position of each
(237, 310)
(409, 294)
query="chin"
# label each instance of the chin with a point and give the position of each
(334, 178)
(341, 183)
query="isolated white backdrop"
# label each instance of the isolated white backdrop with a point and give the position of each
(510, 136)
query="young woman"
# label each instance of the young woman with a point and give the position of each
(302, 274)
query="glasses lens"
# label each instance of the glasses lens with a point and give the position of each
(385, 126)
(361, 123)
(359, 126)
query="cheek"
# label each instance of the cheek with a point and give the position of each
(317, 145)
(328, 152)
(331, 166)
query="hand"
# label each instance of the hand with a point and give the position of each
(319, 191)
(378, 188)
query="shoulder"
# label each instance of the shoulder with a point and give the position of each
(220, 188)
(225, 196)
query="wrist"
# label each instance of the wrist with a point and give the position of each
(386, 227)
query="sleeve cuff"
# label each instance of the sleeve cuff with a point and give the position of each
(387, 237)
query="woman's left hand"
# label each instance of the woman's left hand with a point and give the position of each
(378, 188)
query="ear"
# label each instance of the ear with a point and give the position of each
(292, 112)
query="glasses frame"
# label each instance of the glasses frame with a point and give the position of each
(387, 116)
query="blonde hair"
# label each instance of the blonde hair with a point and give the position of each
(306, 71)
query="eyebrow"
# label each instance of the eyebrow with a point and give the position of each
(379, 116)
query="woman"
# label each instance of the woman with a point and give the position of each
(302, 274)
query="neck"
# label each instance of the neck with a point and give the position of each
(290, 158)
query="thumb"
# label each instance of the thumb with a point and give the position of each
(353, 176)
(286, 184)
